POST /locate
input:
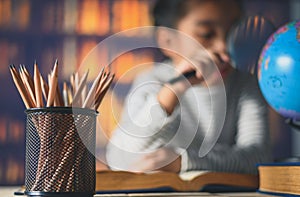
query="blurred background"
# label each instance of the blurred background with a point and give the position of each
(67, 30)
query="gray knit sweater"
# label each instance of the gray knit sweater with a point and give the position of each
(221, 128)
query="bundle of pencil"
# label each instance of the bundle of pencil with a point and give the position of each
(58, 133)
(33, 89)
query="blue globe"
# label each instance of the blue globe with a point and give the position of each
(279, 70)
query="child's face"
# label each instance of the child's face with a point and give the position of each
(208, 23)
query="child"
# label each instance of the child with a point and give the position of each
(199, 123)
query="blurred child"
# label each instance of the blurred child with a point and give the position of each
(215, 120)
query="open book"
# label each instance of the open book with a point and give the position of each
(122, 182)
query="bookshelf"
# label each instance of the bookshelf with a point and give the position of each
(68, 29)
(64, 29)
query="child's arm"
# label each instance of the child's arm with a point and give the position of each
(251, 144)
(145, 125)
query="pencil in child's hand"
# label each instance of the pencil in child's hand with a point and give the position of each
(53, 85)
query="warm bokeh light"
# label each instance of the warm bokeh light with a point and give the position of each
(66, 30)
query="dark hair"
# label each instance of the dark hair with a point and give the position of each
(167, 13)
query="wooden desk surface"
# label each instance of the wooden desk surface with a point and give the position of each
(193, 194)
(9, 192)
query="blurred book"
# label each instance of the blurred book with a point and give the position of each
(280, 178)
(130, 14)
(193, 181)
(70, 16)
(94, 18)
(52, 16)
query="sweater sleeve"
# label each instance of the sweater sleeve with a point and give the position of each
(251, 144)
(144, 127)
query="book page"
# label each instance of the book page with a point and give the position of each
(187, 176)
(173, 194)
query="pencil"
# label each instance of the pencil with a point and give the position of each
(49, 79)
(102, 82)
(37, 87)
(89, 99)
(103, 91)
(65, 94)
(53, 85)
(21, 88)
(26, 78)
(72, 82)
(83, 94)
(79, 89)
(70, 96)
(45, 88)
(76, 81)
(58, 101)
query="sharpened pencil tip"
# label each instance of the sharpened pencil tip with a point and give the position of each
(35, 63)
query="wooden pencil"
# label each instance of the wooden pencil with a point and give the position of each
(49, 80)
(72, 82)
(91, 94)
(26, 78)
(58, 101)
(103, 80)
(45, 88)
(76, 81)
(79, 89)
(53, 85)
(103, 91)
(37, 87)
(83, 94)
(70, 96)
(65, 94)
(21, 88)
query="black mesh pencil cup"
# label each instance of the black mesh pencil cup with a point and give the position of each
(60, 142)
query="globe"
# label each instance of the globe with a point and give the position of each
(279, 70)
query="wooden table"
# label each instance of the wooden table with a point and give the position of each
(9, 192)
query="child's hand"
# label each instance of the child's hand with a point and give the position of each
(206, 69)
(210, 69)
(208, 66)
(163, 159)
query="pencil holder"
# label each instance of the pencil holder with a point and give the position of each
(60, 142)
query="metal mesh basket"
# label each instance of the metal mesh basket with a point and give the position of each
(60, 143)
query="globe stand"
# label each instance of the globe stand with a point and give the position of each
(293, 123)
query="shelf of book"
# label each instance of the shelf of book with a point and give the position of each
(66, 30)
